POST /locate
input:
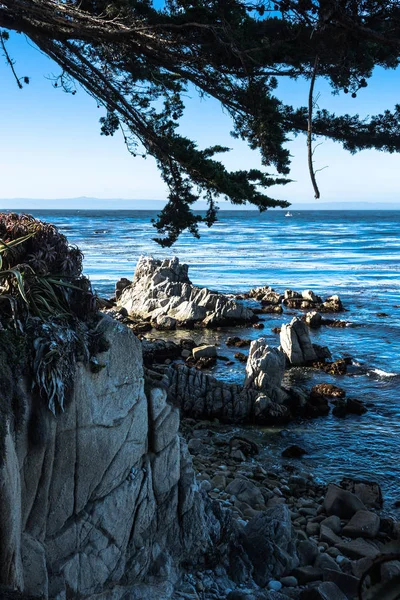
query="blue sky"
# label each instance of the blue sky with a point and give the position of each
(52, 148)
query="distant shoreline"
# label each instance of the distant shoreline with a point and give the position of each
(293, 209)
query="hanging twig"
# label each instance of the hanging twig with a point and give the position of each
(309, 129)
(10, 61)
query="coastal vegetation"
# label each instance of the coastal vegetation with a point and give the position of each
(46, 309)
(138, 62)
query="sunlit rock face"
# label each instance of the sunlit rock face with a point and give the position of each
(110, 498)
(162, 293)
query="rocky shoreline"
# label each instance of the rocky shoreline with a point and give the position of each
(151, 484)
(329, 535)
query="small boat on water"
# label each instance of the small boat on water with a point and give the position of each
(288, 214)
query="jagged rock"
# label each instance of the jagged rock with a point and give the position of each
(309, 295)
(111, 496)
(341, 503)
(329, 390)
(265, 369)
(269, 540)
(120, 286)
(322, 352)
(332, 304)
(313, 319)
(289, 294)
(296, 343)
(163, 289)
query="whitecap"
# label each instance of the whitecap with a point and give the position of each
(383, 373)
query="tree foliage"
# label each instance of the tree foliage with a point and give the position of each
(138, 63)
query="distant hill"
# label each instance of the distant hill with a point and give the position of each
(85, 203)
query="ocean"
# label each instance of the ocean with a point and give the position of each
(355, 254)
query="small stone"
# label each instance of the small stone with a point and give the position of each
(294, 452)
(289, 581)
(274, 585)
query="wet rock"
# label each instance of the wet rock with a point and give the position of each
(369, 492)
(313, 319)
(237, 342)
(294, 452)
(269, 540)
(332, 304)
(316, 406)
(258, 325)
(355, 407)
(323, 353)
(341, 502)
(241, 357)
(363, 524)
(324, 591)
(205, 351)
(272, 309)
(296, 343)
(274, 585)
(290, 294)
(309, 295)
(163, 288)
(276, 330)
(329, 390)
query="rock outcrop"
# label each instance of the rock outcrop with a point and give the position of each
(110, 499)
(261, 398)
(162, 293)
(296, 343)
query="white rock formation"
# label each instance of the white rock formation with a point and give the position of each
(163, 289)
(265, 368)
(296, 343)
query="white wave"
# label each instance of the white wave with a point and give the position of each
(382, 373)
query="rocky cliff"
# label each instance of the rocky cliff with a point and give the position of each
(109, 499)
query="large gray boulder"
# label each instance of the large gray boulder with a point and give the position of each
(109, 500)
(163, 289)
(296, 343)
(265, 369)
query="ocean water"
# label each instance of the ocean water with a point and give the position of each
(353, 253)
